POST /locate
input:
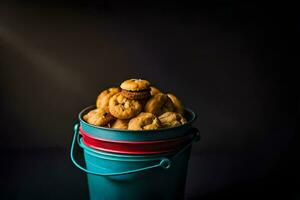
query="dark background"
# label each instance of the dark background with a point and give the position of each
(234, 64)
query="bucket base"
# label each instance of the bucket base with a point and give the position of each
(157, 183)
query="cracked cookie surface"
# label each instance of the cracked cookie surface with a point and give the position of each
(158, 104)
(135, 85)
(120, 124)
(144, 121)
(171, 119)
(98, 117)
(104, 97)
(123, 108)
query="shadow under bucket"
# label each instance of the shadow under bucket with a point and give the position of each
(114, 176)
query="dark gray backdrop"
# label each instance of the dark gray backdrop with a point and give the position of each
(230, 63)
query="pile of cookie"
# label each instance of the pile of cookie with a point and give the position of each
(136, 105)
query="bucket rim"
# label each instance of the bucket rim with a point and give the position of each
(189, 123)
(82, 132)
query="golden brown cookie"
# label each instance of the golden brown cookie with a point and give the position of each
(158, 104)
(104, 96)
(120, 124)
(154, 90)
(136, 89)
(144, 121)
(177, 103)
(171, 119)
(98, 117)
(123, 108)
(135, 85)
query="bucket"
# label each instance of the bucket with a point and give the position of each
(134, 176)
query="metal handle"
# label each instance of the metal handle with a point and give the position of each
(165, 163)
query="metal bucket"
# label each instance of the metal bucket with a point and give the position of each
(135, 176)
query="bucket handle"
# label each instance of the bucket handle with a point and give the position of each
(164, 163)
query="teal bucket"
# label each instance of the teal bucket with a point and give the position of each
(113, 176)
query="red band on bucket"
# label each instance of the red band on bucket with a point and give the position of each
(129, 147)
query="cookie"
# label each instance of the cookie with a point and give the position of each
(103, 98)
(135, 85)
(98, 117)
(144, 121)
(171, 119)
(136, 89)
(120, 124)
(154, 90)
(158, 104)
(123, 108)
(177, 103)
(137, 95)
